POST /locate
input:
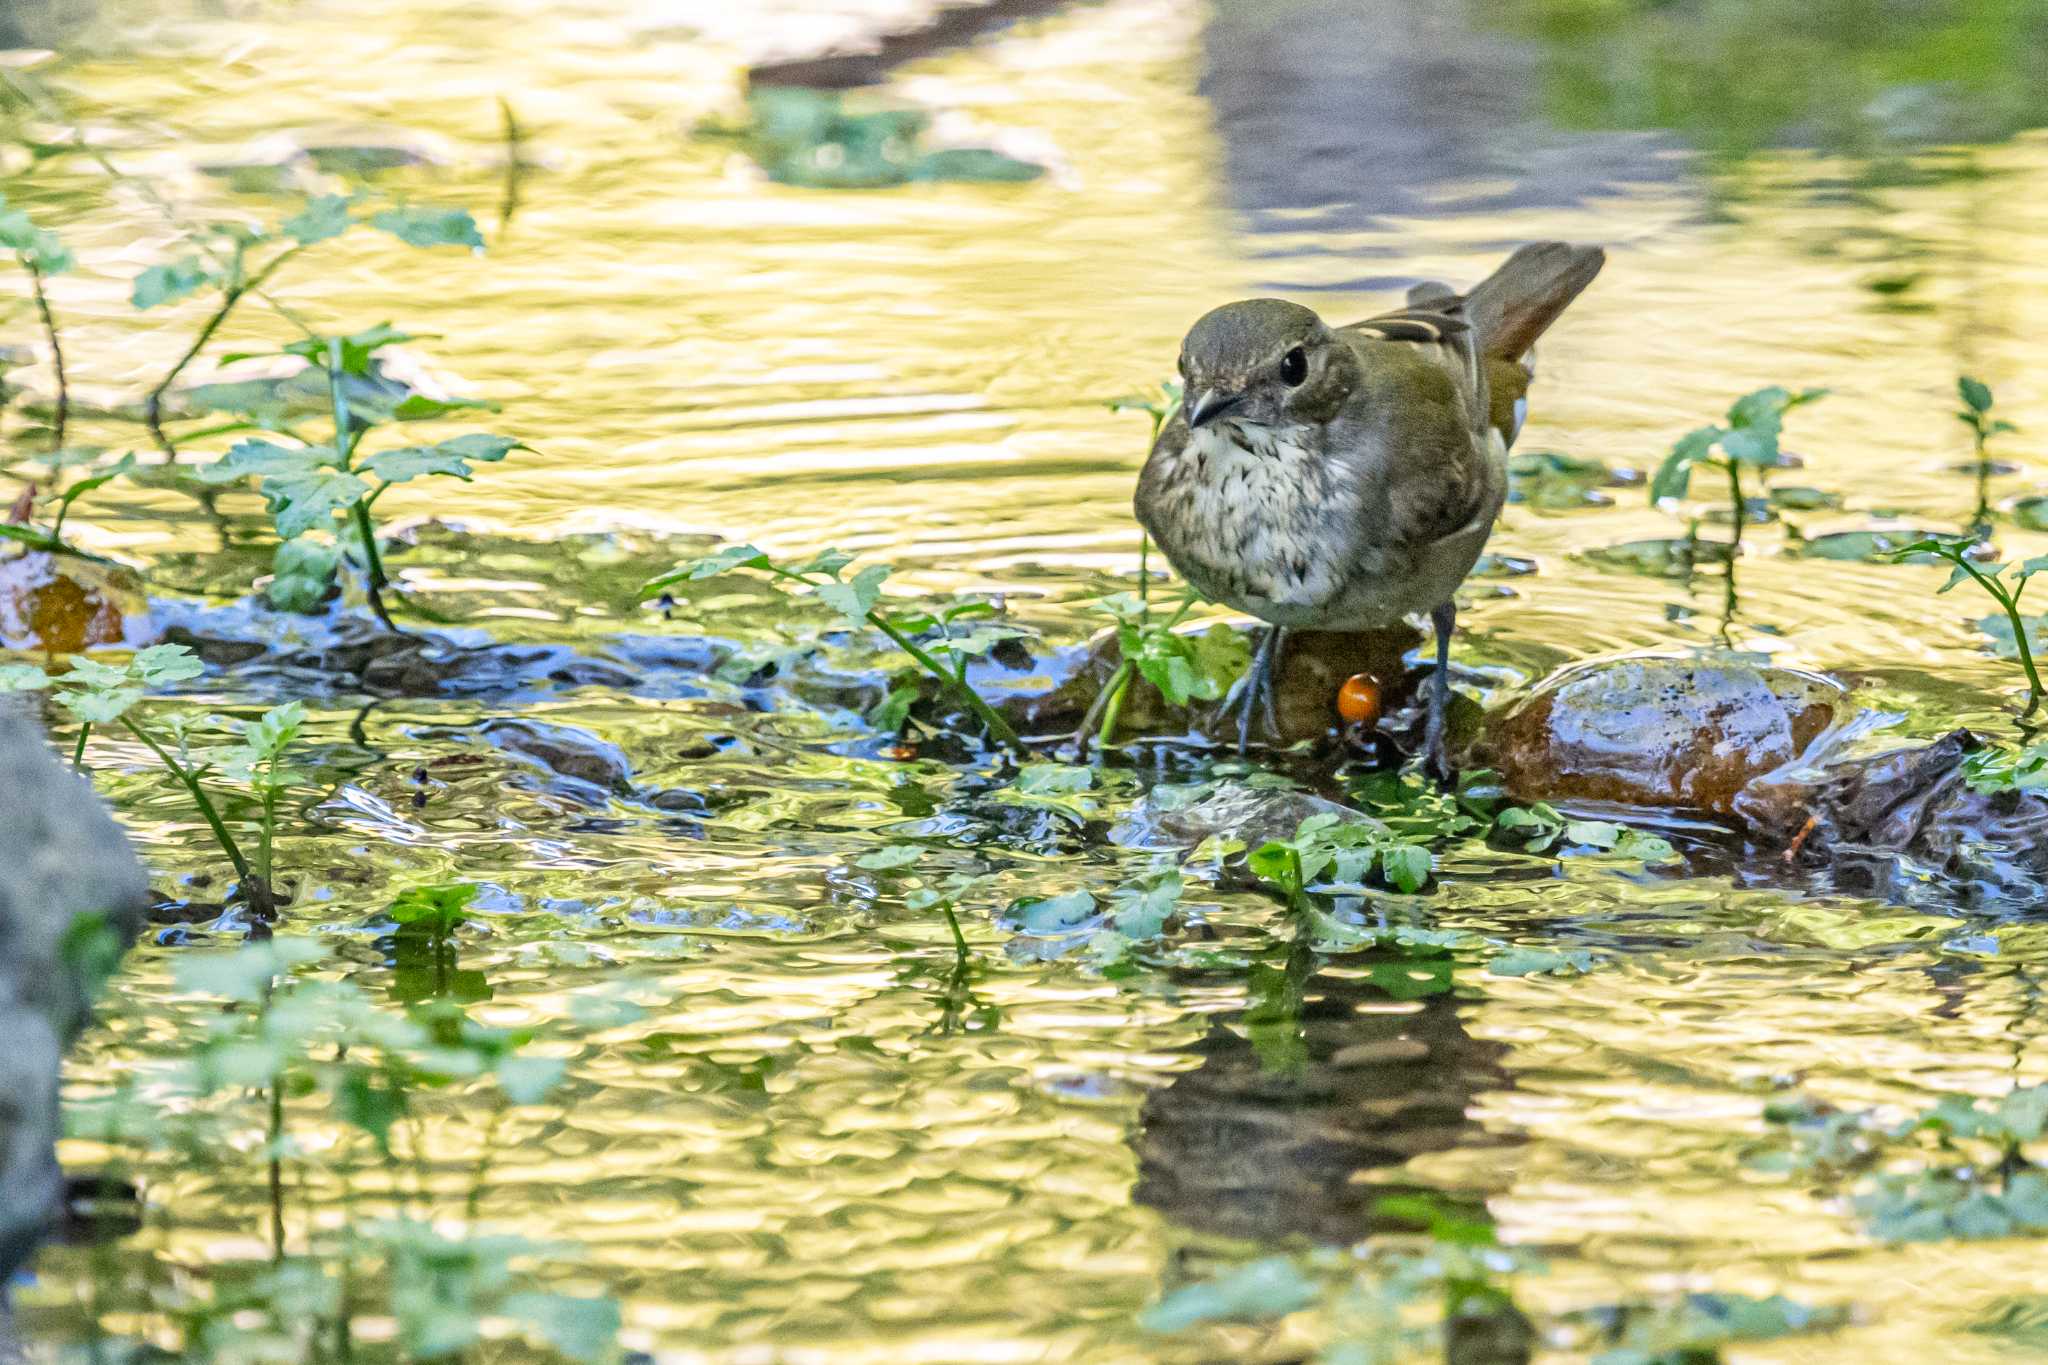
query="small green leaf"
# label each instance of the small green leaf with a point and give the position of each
(1976, 394)
(160, 664)
(37, 248)
(889, 859)
(22, 678)
(357, 348)
(300, 503)
(529, 1080)
(1674, 477)
(856, 597)
(263, 459)
(438, 909)
(449, 458)
(102, 707)
(418, 407)
(1269, 1288)
(161, 284)
(581, 1329)
(1407, 866)
(710, 566)
(1055, 914)
(428, 227)
(1535, 961)
(324, 216)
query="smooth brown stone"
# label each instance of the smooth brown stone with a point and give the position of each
(1687, 732)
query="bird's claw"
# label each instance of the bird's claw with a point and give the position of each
(1256, 693)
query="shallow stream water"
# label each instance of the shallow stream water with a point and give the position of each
(807, 1146)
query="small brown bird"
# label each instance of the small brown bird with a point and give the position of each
(1339, 478)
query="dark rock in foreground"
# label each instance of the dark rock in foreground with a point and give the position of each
(67, 865)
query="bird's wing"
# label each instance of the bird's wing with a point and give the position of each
(1434, 322)
(1432, 469)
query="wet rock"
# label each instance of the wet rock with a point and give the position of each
(215, 651)
(1906, 826)
(1654, 731)
(1233, 810)
(66, 860)
(66, 605)
(589, 767)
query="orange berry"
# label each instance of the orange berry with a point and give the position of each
(1358, 700)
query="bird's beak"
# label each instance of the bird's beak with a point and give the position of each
(1207, 407)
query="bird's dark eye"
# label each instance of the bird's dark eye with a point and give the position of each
(1294, 367)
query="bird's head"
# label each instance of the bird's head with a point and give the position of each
(1265, 363)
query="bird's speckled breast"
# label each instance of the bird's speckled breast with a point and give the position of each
(1252, 518)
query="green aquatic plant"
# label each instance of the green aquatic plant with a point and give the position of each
(1959, 1169)
(2003, 768)
(2003, 588)
(1749, 441)
(424, 959)
(1542, 829)
(40, 255)
(810, 138)
(104, 695)
(1976, 415)
(330, 486)
(235, 261)
(857, 598)
(1347, 852)
(284, 1036)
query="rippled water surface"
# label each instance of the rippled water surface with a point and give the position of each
(813, 1143)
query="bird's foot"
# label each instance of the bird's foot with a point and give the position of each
(1254, 693)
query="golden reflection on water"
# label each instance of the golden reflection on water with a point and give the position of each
(787, 1158)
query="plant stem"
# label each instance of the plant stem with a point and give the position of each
(231, 294)
(63, 417)
(78, 749)
(199, 796)
(276, 1171)
(998, 729)
(2010, 602)
(1119, 688)
(269, 834)
(960, 948)
(366, 531)
(1741, 508)
(1145, 574)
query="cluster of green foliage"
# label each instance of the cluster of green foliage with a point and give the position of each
(944, 654)
(1745, 75)
(317, 484)
(1749, 441)
(102, 694)
(810, 138)
(1962, 553)
(311, 1078)
(1958, 1169)
(1447, 1291)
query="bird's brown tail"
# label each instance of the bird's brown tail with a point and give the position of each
(1517, 303)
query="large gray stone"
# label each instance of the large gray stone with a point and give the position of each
(63, 859)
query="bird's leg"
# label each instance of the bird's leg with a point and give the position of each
(1258, 690)
(1445, 619)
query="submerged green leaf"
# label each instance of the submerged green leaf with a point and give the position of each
(1268, 1288)
(428, 227)
(324, 216)
(161, 284)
